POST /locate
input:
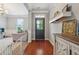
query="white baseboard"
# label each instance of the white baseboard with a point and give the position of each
(51, 42)
(29, 40)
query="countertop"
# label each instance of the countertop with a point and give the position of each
(68, 37)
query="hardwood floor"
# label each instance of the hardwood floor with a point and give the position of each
(39, 47)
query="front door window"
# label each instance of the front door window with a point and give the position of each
(39, 24)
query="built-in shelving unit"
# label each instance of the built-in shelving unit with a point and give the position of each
(66, 12)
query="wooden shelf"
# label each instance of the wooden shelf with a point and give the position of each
(61, 15)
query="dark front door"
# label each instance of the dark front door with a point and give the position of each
(39, 28)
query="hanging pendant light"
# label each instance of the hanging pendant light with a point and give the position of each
(3, 11)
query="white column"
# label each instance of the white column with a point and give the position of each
(29, 26)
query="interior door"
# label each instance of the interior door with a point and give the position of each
(39, 28)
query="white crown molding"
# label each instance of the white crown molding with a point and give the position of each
(17, 15)
(40, 11)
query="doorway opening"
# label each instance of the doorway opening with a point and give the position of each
(39, 28)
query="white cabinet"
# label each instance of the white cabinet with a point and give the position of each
(62, 47)
(16, 48)
(75, 49)
(7, 51)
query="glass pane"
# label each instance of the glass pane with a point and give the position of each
(40, 24)
(38, 27)
(20, 25)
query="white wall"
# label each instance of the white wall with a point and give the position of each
(3, 22)
(56, 27)
(11, 23)
(75, 10)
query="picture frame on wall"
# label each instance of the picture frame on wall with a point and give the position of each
(69, 27)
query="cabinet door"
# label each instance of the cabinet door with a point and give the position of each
(62, 47)
(7, 51)
(75, 49)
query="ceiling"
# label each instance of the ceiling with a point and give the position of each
(22, 8)
(16, 8)
(39, 6)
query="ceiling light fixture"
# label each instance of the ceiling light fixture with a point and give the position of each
(3, 11)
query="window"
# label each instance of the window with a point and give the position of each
(20, 25)
(40, 24)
